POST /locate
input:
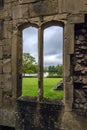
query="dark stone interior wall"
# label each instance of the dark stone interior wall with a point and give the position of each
(45, 115)
(6, 128)
(80, 68)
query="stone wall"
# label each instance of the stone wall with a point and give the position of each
(80, 68)
(45, 115)
(15, 15)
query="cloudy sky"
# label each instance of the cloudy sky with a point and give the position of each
(53, 44)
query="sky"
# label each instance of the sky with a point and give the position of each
(53, 44)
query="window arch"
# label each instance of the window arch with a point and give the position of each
(40, 29)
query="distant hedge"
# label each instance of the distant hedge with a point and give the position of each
(50, 76)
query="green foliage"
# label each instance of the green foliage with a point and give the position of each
(30, 88)
(55, 71)
(29, 64)
(59, 69)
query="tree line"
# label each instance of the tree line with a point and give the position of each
(30, 66)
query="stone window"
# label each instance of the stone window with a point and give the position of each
(40, 43)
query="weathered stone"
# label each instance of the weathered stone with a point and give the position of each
(27, 1)
(7, 29)
(7, 117)
(81, 38)
(77, 79)
(82, 5)
(8, 14)
(78, 67)
(76, 18)
(84, 80)
(85, 57)
(1, 52)
(7, 80)
(78, 42)
(1, 29)
(1, 66)
(7, 66)
(6, 52)
(59, 86)
(69, 39)
(42, 8)
(79, 56)
(1, 79)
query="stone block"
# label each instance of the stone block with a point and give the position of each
(1, 52)
(57, 17)
(77, 18)
(20, 11)
(84, 80)
(25, 11)
(82, 5)
(7, 83)
(60, 6)
(27, 1)
(68, 92)
(1, 94)
(7, 29)
(66, 66)
(72, 6)
(1, 29)
(1, 79)
(69, 39)
(7, 1)
(6, 52)
(1, 66)
(43, 8)
(78, 67)
(16, 13)
(7, 117)
(77, 79)
(7, 11)
(7, 66)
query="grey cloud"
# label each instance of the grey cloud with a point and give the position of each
(53, 42)
(53, 39)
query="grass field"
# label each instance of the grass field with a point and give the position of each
(30, 88)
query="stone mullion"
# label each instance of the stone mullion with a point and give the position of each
(40, 63)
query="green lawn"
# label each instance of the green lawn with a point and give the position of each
(30, 88)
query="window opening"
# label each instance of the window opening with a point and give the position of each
(30, 62)
(53, 62)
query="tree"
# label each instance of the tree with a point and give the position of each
(29, 64)
(59, 70)
(55, 70)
